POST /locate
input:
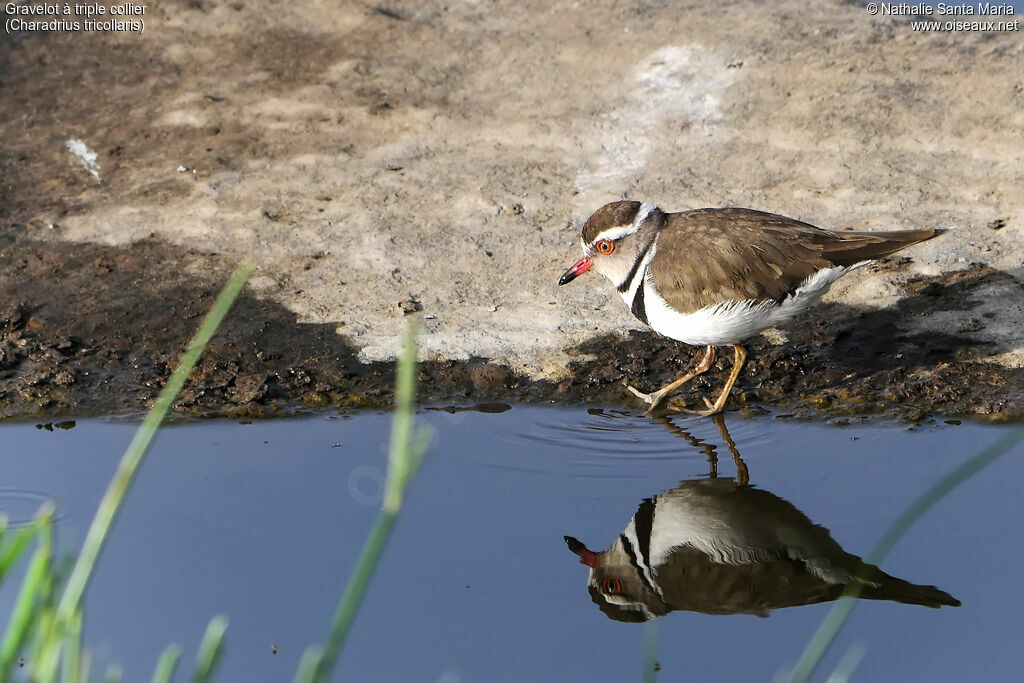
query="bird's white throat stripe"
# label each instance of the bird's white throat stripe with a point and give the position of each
(731, 322)
(621, 231)
(642, 214)
(650, 573)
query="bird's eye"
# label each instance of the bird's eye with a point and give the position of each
(605, 246)
(611, 586)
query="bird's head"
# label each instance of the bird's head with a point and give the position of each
(610, 240)
(615, 584)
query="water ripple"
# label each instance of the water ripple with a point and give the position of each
(611, 443)
(20, 506)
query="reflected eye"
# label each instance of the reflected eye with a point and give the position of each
(605, 246)
(611, 586)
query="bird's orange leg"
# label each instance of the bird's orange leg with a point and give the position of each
(655, 399)
(742, 473)
(719, 405)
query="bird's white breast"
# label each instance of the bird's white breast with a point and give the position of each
(685, 518)
(730, 322)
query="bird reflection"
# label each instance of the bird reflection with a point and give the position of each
(720, 546)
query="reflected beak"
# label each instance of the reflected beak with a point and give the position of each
(587, 557)
(578, 268)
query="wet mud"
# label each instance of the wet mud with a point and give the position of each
(88, 329)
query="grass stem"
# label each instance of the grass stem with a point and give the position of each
(404, 458)
(837, 616)
(118, 487)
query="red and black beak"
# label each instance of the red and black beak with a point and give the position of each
(587, 557)
(578, 268)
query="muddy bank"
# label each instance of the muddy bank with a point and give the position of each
(86, 329)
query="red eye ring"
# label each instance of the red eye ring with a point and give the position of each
(611, 586)
(605, 246)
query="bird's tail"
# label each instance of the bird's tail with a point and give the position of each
(886, 587)
(850, 248)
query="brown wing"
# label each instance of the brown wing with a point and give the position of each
(692, 581)
(708, 256)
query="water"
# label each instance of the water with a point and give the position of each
(263, 522)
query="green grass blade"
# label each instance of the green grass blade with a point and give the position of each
(13, 550)
(45, 643)
(210, 649)
(167, 663)
(71, 670)
(834, 620)
(402, 458)
(308, 665)
(848, 664)
(403, 461)
(35, 585)
(143, 437)
(650, 666)
(354, 593)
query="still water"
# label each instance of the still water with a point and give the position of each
(262, 522)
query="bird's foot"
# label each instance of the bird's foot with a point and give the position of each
(712, 409)
(653, 399)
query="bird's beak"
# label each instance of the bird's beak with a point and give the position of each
(587, 557)
(578, 268)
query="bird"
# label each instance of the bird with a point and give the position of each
(718, 276)
(714, 546)
(721, 546)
